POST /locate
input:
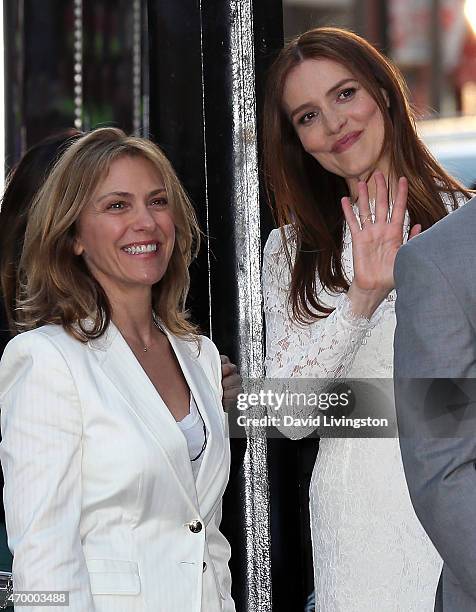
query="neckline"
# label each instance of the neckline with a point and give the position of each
(159, 325)
(192, 418)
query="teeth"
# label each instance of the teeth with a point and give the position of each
(141, 248)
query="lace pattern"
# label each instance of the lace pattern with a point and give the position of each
(370, 552)
(325, 348)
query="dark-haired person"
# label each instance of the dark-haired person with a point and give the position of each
(349, 181)
(22, 185)
(114, 448)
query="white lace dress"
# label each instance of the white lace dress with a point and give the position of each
(370, 551)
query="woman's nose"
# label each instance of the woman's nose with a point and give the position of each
(144, 219)
(334, 121)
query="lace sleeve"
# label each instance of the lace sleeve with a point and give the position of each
(323, 349)
(447, 200)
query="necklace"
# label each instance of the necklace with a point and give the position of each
(146, 348)
(156, 324)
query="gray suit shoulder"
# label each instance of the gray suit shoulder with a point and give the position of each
(439, 241)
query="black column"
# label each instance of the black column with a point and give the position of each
(176, 116)
(191, 117)
(290, 463)
(14, 43)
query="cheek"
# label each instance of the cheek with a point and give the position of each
(309, 140)
(99, 244)
(312, 142)
(378, 132)
(93, 243)
(172, 229)
(171, 236)
(370, 113)
(167, 225)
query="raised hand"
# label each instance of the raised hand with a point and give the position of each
(375, 242)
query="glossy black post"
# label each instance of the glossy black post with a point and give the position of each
(290, 463)
(48, 80)
(107, 72)
(176, 117)
(192, 118)
(14, 44)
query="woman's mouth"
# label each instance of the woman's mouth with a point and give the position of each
(346, 142)
(141, 249)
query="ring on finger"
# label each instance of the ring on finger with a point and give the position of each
(367, 218)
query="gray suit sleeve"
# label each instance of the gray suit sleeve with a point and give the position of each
(436, 409)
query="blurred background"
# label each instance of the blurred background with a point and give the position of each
(64, 58)
(433, 42)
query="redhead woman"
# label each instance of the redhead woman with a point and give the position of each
(349, 181)
(114, 445)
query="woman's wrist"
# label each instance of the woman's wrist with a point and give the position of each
(365, 301)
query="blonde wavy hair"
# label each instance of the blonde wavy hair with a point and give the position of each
(56, 286)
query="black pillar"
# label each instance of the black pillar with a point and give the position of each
(192, 109)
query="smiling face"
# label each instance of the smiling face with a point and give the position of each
(126, 232)
(336, 119)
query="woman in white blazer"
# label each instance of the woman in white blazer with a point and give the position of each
(114, 448)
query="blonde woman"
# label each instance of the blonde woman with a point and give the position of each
(114, 449)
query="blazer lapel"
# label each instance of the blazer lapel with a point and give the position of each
(214, 471)
(126, 374)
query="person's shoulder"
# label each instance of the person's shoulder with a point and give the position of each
(276, 239)
(40, 337)
(454, 201)
(44, 345)
(34, 350)
(206, 354)
(208, 347)
(454, 226)
(199, 347)
(464, 212)
(277, 265)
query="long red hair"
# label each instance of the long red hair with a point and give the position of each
(307, 197)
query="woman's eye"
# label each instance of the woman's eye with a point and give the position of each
(116, 206)
(160, 202)
(307, 117)
(346, 93)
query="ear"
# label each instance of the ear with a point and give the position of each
(78, 248)
(385, 95)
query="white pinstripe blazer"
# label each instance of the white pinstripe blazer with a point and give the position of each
(99, 491)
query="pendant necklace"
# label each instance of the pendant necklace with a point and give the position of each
(156, 323)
